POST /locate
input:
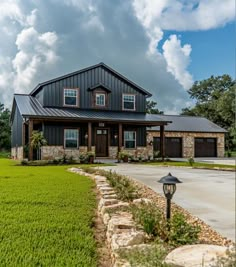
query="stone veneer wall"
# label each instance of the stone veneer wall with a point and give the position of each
(188, 141)
(140, 151)
(17, 153)
(51, 152)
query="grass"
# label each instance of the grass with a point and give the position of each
(4, 154)
(46, 217)
(195, 164)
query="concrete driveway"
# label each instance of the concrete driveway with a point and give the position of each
(207, 194)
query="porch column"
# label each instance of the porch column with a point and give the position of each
(31, 126)
(120, 137)
(162, 141)
(23, 138)
(89, 136)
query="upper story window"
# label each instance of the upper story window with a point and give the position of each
(71, 138)
(71, 97)
(128, 102)
(129, 139)
(100, 99)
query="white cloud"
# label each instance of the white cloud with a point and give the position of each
(178, 59)
(10, 9)
(35, 53)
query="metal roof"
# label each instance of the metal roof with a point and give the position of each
(30, 107)
(189, 124)
(38, 87)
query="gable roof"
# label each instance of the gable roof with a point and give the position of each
(117, 74)
(183, 123)
(30, 107)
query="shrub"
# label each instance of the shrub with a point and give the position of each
(123, 155)
(190, 161)
(181, 232)
(149, 217)
(156, 154)
(151, 256)
(123, 186)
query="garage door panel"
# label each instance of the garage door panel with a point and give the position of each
(205, 147)
(173, 146)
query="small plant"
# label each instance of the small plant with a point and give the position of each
(124, 156)
(90, 156)
(181, 232)
(156, 154)
(148, 216)
(191, 161)
(151, 256)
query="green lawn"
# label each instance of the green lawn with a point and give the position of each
(46, 217)
(195, 164)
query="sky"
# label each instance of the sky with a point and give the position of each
(162, 45)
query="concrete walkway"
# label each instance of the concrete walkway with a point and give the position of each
(207, 194)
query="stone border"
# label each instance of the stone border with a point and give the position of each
(123, 233)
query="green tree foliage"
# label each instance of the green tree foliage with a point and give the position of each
(37, 141)
(5, 130)
(151, 107)
(215, 100)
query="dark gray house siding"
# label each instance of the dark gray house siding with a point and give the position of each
(16, 129)
(53, 92)
(54, 133)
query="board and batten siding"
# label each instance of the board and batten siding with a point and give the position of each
(16, 129)
(53, 92)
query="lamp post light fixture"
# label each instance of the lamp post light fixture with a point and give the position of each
(169, 187)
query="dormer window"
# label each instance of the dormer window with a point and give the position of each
(100, 99)
(128, 102)
(71, 97)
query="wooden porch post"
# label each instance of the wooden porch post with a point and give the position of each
(162, 141)
(23, 139)
(120, 137)
(89, 136)
(31, 126)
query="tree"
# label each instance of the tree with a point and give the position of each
(151, 107)
(37, 141)
(5, 130)
(215, 100)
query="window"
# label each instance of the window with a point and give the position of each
(129, 102)
(71, 137)
(100, 99)
(70, 97)
(130, 139)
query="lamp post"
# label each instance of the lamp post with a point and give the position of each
(169, 187)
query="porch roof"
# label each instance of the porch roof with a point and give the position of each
(30, 107)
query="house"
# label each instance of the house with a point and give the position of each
(98, 109)
(93, 109)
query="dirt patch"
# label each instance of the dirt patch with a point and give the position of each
(104, 254)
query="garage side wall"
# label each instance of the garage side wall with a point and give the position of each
(188, 141)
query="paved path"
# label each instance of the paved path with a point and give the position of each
(207, 194)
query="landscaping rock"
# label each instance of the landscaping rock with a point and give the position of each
(127, 238)
(106, 202)
(106, 189)
(121, 263)
(195, 255)
(102, 184)
(106, 218)
(119, 222)
(120, 204)
(100, 178)
(109, 196)
(103, 193)
(142, 200)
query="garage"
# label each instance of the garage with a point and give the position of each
(205, 147)
(173, 146)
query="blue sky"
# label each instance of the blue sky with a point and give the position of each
(162, 45)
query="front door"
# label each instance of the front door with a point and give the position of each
(101, 142)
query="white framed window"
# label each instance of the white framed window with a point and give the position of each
(128, 102)
(70, 97)
(129, 139)
(100, 99)
(71, 138)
